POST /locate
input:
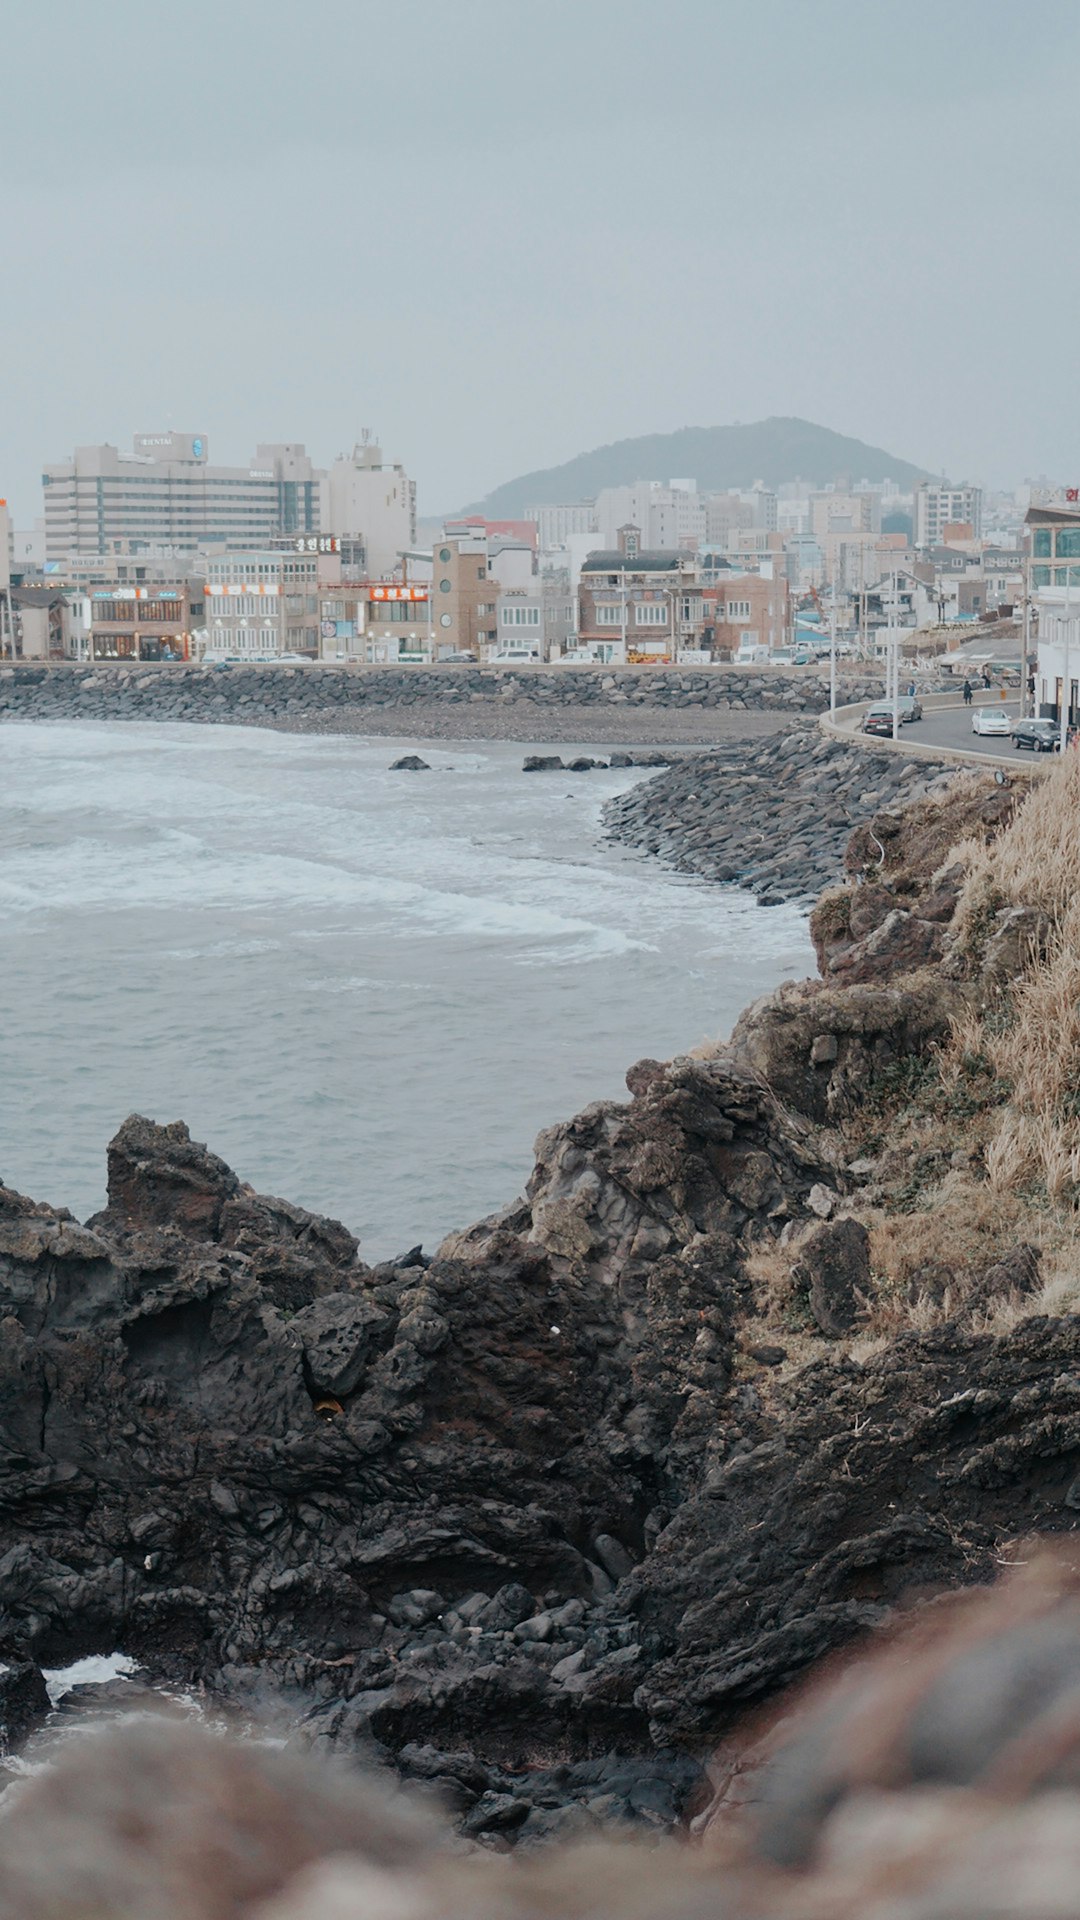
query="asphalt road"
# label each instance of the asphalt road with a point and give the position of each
(951, 727)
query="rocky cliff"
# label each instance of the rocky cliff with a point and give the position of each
(540, 1518)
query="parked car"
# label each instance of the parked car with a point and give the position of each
(1039, 736)
(457, 659)
(993, 720)
(879, 719)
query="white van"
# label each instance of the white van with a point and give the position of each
(593, 653)
(749, 652)
(505, 656)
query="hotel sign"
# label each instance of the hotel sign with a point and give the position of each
(318, 543)
(398, 593)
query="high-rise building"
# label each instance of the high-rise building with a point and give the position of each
(365, 497)
(165, 494)
(937, 504)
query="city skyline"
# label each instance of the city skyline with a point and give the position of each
(466, 230)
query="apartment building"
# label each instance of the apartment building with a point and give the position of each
(362, 496)
(832, 515)
(166, 494)
(668, 516)
(555, 525)
(937, 503)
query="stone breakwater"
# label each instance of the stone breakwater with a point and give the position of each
(773, 816)
(389, 699)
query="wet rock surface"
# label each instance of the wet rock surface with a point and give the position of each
(773, 816)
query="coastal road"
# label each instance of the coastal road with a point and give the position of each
(951, 727)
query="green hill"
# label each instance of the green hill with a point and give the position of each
(718, 458)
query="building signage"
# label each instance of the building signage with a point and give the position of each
(318, 543)
(398, 593)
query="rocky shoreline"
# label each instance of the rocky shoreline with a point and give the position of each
(631, 705)
(773, 816)
(540, 1520)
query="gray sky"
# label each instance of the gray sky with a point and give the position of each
(502, 231)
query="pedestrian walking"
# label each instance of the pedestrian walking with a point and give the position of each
(967, 693)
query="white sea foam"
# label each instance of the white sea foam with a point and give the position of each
(93, 1670)
(367, 990)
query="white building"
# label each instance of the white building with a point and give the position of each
(554, 525)
(1057, 612)
(263, 603)
(364, 497)
(667, 517)
(937, 505)
(165, 494)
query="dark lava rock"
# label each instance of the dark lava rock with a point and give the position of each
(410, 763)
(24, 1701)
(833, 1268)
(542, 763)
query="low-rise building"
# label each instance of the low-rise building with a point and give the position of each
(747, 609)
(1054, 572)
(464, 597)
(140, 623)
(649, 600)
(39, 623)
(399, 622)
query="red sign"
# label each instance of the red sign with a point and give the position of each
(1072, 493)
(398, 593)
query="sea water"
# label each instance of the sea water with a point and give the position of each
(367, 990)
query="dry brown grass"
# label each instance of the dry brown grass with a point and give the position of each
(1035, 862)
(977, 1146)
(1032, 1043)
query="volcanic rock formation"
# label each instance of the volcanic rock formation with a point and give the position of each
(534, 1520)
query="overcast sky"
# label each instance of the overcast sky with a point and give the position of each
(501, 231)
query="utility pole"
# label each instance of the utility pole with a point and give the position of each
(832, 654)
(894, 636)
(1066, 703)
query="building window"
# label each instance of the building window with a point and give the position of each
(650, 613)
(1068, 543)
(608, 616)
(1040, 542)
(521, 616)
(1040, 576)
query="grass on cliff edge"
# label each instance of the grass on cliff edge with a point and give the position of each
(1006, 1092)
(978, 1144)
(1029, 1032)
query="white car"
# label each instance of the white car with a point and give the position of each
(991, 720)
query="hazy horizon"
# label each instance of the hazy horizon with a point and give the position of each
(499, 236)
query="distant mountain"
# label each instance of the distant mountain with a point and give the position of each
(718, 458)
